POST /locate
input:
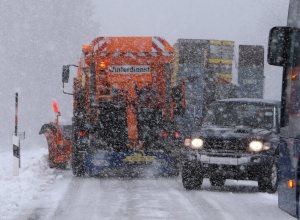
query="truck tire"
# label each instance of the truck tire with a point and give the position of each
(78, 165)
(218, 181)
(268, 181)
(191, 175)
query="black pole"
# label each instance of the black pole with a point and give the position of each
(16, 140)
(16, 114)
(92, 94)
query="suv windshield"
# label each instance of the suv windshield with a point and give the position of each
(231, 114)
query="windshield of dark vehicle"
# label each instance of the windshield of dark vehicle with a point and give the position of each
(230, 114)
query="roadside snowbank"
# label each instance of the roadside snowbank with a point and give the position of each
(19, 191)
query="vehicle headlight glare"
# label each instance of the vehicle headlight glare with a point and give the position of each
(267, 146)
(197, 143)
(256, 146)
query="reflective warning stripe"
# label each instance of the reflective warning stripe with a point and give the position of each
(157, 44)
(128, 55)
(101, 44)
(158, 49)
(155, 48)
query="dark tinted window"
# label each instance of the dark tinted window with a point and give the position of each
(240, 114)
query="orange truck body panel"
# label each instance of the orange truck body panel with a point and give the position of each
(126, 65)
(131, 64)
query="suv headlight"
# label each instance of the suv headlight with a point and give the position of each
(197, 143)
(267, 146)
(256, 146)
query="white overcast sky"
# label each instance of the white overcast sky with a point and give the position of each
(244, 21)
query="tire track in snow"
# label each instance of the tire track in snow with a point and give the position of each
(236, 200)
(158, 199)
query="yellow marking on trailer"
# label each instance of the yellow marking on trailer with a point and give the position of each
(225, 76)
(220, 61)
(221, 42)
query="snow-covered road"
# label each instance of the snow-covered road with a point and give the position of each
(43, 193)
(155, 198)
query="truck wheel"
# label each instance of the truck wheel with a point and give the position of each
(78, 165)
(192, 177)
(269, 181)
(218, 181)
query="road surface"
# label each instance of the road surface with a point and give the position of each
(149, 198)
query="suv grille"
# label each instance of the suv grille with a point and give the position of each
(228, 144)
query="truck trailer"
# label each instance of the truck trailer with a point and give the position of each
(205, 67)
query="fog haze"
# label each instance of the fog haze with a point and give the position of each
(244, 21)
(38, 37)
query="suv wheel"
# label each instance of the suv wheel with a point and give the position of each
(269, 181)
(218, 181)
(192, 177)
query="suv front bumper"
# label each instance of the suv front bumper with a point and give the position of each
(230, 165)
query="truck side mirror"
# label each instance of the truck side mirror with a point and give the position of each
(279, 45)
(65, 73)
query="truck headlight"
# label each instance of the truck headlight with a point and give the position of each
(256, 146)
(197, 143)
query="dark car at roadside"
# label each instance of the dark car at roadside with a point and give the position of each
(238, 139)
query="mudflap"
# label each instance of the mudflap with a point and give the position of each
(131, 163)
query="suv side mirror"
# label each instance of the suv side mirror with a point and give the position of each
(65, 73)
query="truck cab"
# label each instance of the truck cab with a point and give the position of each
(124, 108)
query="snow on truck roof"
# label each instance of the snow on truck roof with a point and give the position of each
(251, 100)
(136, 45)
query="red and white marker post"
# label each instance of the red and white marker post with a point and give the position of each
(16, 142)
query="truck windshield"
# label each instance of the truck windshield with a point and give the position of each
(231, 114)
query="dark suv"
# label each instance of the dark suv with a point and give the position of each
(238, 139)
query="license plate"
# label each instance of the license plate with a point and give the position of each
(139, 157)
(224, 160)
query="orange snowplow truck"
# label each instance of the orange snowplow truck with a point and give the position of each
(124, 107)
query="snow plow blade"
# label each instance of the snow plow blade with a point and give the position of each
(59, 144)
